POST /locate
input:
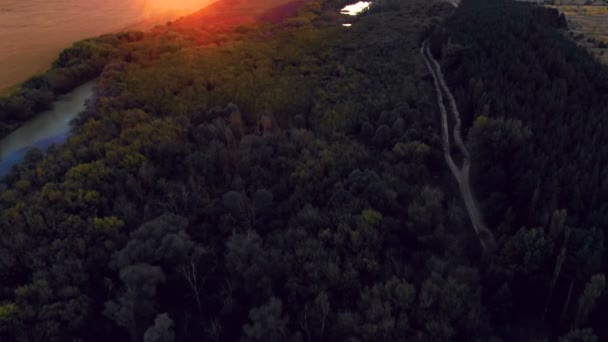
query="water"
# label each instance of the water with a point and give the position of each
(45, 129)
(33, 32)
(357, 8)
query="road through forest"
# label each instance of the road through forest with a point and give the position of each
(485, 236)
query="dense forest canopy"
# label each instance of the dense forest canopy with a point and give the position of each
(285, 182)
(537, 106)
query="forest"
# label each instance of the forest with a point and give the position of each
(536, 106)
(285, 182)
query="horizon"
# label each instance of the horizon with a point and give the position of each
(32, 34)
(304, 170)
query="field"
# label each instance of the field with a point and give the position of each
(588, 25)
(579, 2)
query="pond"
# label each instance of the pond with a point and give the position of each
(46, 128)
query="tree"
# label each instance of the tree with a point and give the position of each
(136, 306)
(586, 302)
(450, 303)
(367, 132)
(249, 263)
(491, 139)
(382, 138)
(424, 213)
(240, 207)
(161, 331)
(385, 310)
(318, 316)
(579, 335)
(268, 324)
(162, 241)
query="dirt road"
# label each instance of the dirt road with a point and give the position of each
(485, 236)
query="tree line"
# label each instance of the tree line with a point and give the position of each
(535, 104)
(287, 183)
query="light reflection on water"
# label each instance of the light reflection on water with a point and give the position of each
(357, 8)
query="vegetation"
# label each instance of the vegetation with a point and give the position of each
(80, 63)
(85, 60)
(589, 21)
(286, 182)
(283, 184)
(536, 105)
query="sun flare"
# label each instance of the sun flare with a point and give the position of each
(180, 6)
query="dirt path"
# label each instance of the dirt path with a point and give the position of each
(485, 236)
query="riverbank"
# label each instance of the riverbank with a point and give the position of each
(29, 82)
(37, 60)
(49, 127)
(85, 60)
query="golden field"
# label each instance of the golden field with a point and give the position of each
(588, 25)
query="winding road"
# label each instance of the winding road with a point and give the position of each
(485, 236)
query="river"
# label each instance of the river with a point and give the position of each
(48, 127)
(33, 32)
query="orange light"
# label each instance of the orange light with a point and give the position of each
(153, 7)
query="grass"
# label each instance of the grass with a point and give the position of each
(580, 2)
(588, 25)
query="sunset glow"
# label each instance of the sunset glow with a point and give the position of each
(180, 6)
